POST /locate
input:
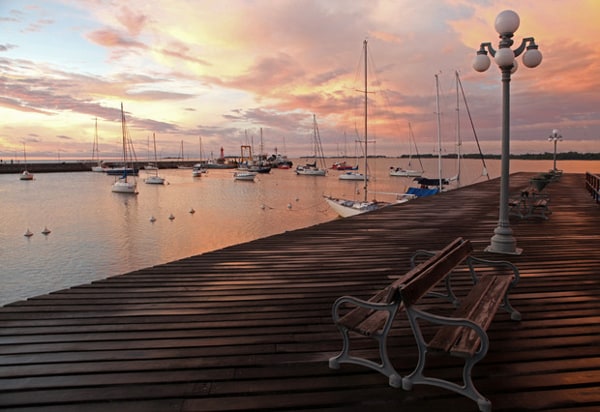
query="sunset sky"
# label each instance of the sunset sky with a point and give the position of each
(221, 70)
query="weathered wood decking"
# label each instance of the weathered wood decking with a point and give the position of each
(249, 327)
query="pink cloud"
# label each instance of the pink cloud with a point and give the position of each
(133, 22)
(111, 38)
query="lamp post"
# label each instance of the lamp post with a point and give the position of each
(507, 22)
(554, 137)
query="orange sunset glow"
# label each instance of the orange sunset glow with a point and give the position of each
(223, 70)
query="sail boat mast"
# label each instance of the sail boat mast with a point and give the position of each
(439, 130)
(124, 134)
(366, 91)
(458, 138)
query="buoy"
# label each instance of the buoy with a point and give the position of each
(152, 219)
(262, 207)
(192, 211)
(46, 231)
(171, 217)
(289, 205)
(29, 233)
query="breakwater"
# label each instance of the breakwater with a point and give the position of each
(78, 166)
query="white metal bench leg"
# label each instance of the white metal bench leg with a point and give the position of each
(467, 389)
(385, 367)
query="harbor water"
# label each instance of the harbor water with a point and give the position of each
(96, 233)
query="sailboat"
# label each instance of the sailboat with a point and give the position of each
(199, 167)
(155, 179)
(99, 167)
(401, 172)
(125, 184)
(25, 174)
(353, 174)
(432, 186)
(343, 165)
(312, 169)
(346, 207)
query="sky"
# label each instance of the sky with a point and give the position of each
(212, 74)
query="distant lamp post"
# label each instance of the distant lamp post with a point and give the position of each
(507, 22)
(555, 137)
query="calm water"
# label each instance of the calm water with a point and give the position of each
(97, 233)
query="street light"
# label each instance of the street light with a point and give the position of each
(507, 22)
(555, 137)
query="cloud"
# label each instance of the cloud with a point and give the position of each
(112, 38)
(134, 22)
(6, 47)
(239, 65)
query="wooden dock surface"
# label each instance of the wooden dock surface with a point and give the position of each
(249, 327)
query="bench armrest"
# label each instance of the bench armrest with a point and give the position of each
(473, 261)
(420, 254)
(415, 314)
(390, 307)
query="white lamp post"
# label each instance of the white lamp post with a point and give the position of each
(555, 137)
(507, 22)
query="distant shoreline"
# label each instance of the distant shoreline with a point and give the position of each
(49, 166)
(74, 166)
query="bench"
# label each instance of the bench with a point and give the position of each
(529, 203)
(462, 333)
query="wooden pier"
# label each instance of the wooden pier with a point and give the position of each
(249, 327)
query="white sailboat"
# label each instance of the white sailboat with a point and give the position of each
(124, 183)
(155, 179)
(401, 172)
(25, 174)
(96, 152)
(346, 207)
(312, 169)
(199, 168)
(354, 174)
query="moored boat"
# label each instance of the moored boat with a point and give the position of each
(25, 174)
(311, 169)
(154, 179)
(124, 184)
(347, 207)
(244, 176)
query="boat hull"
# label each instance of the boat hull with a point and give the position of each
(348, 208)
(353, 176)
(244, 176)
(124, 187)
(26, 176)
(310, 171)
(155, 180)
(405, 173)
(119, 171)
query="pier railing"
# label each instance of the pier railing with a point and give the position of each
(592, 184)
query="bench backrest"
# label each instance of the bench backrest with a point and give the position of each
(408, 277)
(436, 269)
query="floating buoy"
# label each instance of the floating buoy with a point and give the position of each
(297, 199)
(289, 206)
(192, 211)
(152, 219)
(171, 217)
(29, 233)
(262, 207)
(46, 231)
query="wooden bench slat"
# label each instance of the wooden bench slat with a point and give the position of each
(480, 306)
